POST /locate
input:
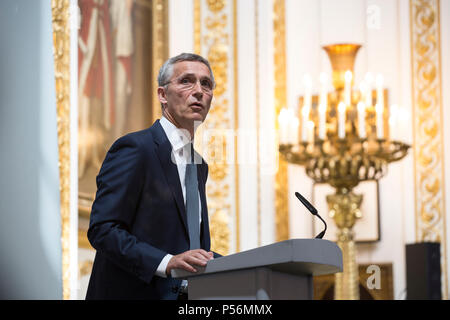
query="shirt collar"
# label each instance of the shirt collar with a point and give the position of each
(178, 138)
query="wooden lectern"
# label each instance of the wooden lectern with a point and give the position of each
(282, 270)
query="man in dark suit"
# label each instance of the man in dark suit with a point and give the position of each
(150, 214)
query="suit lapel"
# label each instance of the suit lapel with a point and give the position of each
(164, 152)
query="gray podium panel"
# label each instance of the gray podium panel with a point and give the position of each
(282, 270)
(250, 284)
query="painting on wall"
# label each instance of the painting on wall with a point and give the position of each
(115, 81)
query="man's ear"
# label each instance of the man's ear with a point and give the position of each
(162, 95)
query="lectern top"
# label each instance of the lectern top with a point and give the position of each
(295, 256)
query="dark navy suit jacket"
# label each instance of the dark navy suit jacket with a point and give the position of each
(139, 216)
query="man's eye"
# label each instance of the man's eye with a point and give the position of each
(206, 83)
(184, 81)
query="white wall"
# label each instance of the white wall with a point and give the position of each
(264, 34)
(247, 121)
(181, 26)
(30, 229)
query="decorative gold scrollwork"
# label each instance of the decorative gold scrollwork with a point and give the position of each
(428, 126)
(61, 54)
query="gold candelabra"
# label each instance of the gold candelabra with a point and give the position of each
(347, 136)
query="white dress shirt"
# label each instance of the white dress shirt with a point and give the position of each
(179, 139)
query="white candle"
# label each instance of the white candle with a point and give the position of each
(380, 96)
(305, 119)
(362, 119)
(292, 125)
(363, 90)
(341, 120)
(323, 99)
(294, 128)
(283, 126)
(380, 125)
(368, 79)
(393, 122)
(348, 88)
(323, 102)
(310, 132)
(307, 81)
(322, 120)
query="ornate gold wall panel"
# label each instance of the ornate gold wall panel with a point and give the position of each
(61, 51)
(428, 127)
(160, 49)
(197, 27)
(215, 39)
(281, 179)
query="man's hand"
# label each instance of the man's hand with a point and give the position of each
(187, 260)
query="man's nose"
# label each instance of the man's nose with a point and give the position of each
(197, 90)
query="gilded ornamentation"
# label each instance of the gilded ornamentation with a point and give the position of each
(428, 126)
(281, 178)
(197, 27)
(215, 45)
(160, 48)
(61, 52)
(219, 223)
(345, 209)
(216, 5)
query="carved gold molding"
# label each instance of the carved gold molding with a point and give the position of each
(160, 48)
(281, 178)
(197, 27)
(215, 38)
(428, 127)
(61, 52)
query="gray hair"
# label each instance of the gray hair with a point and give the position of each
(166, 70)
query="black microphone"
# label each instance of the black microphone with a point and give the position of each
(313, 210)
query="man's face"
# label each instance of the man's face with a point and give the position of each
(188, 95)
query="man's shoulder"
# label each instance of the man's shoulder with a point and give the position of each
(139, 138)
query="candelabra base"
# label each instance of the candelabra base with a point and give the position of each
(345, 209)
(347, 282)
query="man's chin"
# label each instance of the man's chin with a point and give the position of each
(197, 118)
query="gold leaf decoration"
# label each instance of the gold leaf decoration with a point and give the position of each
(61, 55)
(428, 126)
(215, 46)
(281, 178)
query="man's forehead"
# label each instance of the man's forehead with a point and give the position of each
(191, 67)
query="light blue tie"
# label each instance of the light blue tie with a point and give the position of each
(192, 207)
